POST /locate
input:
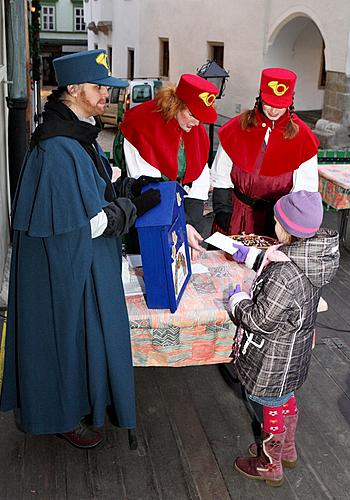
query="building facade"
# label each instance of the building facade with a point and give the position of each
(63, 31)
(167, 37)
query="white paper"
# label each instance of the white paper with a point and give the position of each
(199, 268)
(134, 261)
(223, 242)
(135, 286)
(125, 270)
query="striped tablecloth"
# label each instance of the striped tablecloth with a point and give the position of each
(200, 331)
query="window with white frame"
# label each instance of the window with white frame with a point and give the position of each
(48, 18)
(79, 23)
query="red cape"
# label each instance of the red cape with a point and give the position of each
(281, 155)
(158, 142)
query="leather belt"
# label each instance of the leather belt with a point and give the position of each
(253, 202)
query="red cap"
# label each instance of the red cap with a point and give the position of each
(199, 96)
(277, 87)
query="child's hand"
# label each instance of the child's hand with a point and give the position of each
(234, 290)
(235, 296)
(240, 252)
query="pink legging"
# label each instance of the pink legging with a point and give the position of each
(273, 416)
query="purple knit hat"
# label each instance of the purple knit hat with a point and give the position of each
(300, 213)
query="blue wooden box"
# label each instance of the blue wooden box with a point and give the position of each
(164, 248)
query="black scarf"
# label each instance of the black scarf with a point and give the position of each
(59, 120)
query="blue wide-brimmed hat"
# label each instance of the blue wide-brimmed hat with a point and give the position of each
(89, 66)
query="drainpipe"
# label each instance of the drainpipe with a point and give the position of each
(17, 100)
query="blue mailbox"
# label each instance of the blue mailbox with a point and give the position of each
(164, 248)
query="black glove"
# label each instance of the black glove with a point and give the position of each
(121, 216)
(142, 181)
(146, 201)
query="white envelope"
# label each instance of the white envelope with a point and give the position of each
(223, 242)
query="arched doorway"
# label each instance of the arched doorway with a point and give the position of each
(297, 43)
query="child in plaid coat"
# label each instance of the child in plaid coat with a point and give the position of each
(276, 326)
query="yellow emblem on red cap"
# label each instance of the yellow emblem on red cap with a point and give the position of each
(207, 98)
(278, 88)
(102, 59)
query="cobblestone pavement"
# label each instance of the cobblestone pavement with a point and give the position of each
(106, 137)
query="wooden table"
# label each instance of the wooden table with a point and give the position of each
(334, 186)
(200, 332)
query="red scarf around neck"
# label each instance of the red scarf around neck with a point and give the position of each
(281, 155)
(158, 142)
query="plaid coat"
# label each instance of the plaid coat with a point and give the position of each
(278, 321)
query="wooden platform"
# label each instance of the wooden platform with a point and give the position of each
(191, 426)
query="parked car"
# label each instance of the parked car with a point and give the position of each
(121, 99)
(116, 106)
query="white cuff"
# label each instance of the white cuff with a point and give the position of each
(98, 224)
(235, 299)
(251, 257)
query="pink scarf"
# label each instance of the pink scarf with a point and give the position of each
(272, 254)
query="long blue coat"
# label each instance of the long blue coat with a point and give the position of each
(68, 341)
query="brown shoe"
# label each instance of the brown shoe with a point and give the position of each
(83, 436)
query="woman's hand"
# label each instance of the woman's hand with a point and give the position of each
(194, 241)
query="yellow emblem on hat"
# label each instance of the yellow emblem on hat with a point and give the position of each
(207, 98)
(102, 59)
(278, 88)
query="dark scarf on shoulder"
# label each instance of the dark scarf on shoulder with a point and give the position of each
(59, 120)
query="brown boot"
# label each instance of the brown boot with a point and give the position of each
(83, 436)
(289, 452)
(267, 466)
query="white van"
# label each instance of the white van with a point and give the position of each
(121, 99)
(143, 90)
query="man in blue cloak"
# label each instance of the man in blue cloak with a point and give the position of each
(68, 349)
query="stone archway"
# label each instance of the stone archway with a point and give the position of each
(297, 43)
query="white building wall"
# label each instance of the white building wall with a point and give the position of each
(255, 34)
(332, 19)
(64, 15)
(300, 43)
(96, 12)
(65, 28)
(127, 34)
